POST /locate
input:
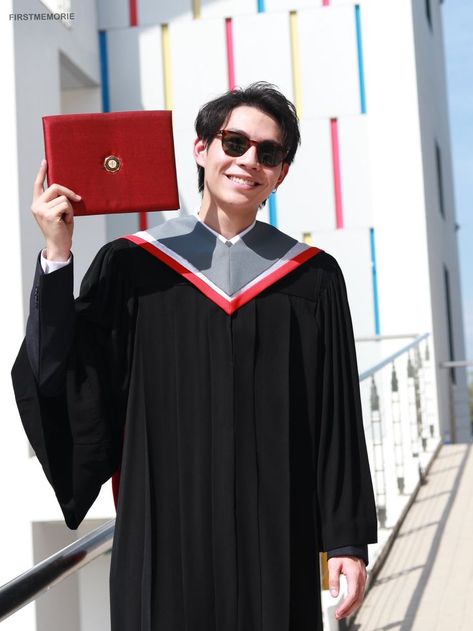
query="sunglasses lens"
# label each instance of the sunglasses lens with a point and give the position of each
(270, 154)
(235, 145)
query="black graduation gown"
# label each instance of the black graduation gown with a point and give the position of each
(239, 438)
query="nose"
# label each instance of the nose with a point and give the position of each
(250, 158)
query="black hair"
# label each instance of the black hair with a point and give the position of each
(261, 95)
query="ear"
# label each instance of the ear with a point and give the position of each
(282, 175)
(200, 151)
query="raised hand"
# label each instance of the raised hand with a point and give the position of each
(52, 210)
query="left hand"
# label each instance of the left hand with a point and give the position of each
(355, 572)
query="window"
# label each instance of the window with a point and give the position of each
(428, 13)
(438, 165)
(448, 306)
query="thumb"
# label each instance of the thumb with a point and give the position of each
(334, 577)
(38, 185)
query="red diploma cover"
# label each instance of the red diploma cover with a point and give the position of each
(118, 162)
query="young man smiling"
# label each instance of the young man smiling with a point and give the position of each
(211, 360)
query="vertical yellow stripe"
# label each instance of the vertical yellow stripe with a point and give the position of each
(196, 9)
(166, 46)
(296, 62)
(307, 237)
(324, 570)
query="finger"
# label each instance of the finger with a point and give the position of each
(68, 217)
(38, 185)
(354, 598)
(334, 569)
(56, 190)
(348, 605)
(345, 611)
(57, 201)
(59, 210)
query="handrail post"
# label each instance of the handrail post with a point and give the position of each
(397, 431)
(377, 438)
(451, 405)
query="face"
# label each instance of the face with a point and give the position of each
(240, 183)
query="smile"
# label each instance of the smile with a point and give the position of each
(242, 180)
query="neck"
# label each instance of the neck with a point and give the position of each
(225, 222)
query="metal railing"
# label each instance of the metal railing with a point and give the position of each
(401, 425)
(40, 578)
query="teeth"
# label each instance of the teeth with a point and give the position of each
(240, 180)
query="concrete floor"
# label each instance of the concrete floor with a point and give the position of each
(426, 583)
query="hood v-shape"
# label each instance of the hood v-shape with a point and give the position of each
(228, 273)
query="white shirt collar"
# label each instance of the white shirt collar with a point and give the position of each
(234, 239)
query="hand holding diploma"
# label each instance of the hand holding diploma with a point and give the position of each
(53, 211)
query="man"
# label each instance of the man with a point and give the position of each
(212, 361)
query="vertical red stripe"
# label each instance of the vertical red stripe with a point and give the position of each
(337, 178)
(230, 53)
(143, 221)
(133, 12)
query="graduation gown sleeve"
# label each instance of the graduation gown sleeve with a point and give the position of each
(71, 377)
(344, 492)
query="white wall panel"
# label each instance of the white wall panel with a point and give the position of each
(329, 63)
(158, 217)
(189, 196)
(334, 3)
(263, 213)
(121, 224)
(291, 5)
(135, 68)
(81, 100)
(151, 68)
(123, 53)
(256, 61)
(79, 43)
(199, 67)
(355, 171)
(352, 250)
(163, 11)
(306, 197)
(396, 167)
(199, 73)
(113, 13)
(227, 8)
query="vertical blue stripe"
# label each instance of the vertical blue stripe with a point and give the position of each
(273, 210)
(104, 71)
(374, 270)
(361, 70)
(261, 7)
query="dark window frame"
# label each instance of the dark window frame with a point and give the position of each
(439, 173)
(448, 309)
(428, 13)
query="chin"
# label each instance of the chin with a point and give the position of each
(242, 198)
(243, 205)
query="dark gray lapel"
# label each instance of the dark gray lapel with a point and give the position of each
(229, 266)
